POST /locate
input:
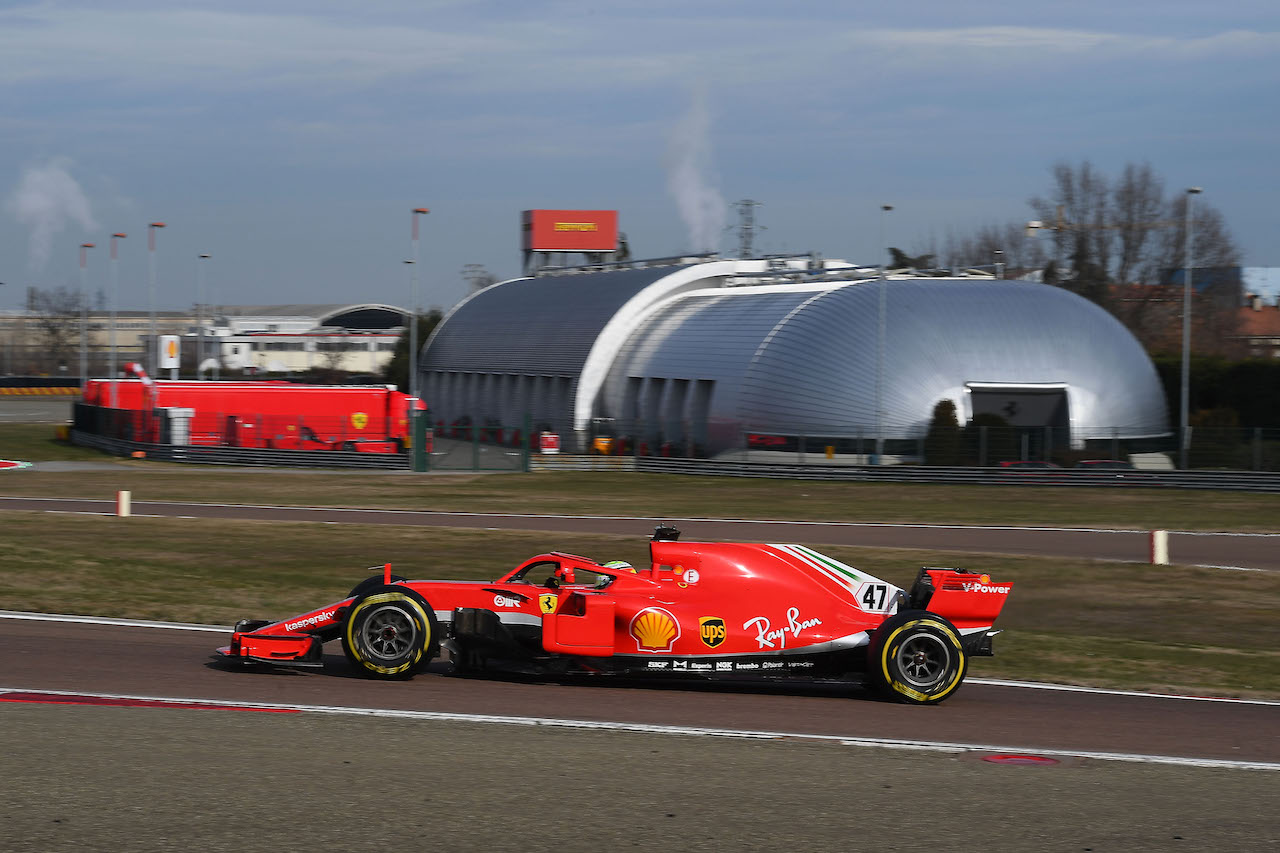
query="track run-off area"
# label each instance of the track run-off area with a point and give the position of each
(1244, 551)
(120, 734)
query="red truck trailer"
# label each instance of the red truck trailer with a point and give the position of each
(273, 414)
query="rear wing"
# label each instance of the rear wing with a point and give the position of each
(966, 599)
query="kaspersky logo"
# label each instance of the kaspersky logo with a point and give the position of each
(711, 630)
(323, 616)
(654, 630)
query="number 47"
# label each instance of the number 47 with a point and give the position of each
(874, 596)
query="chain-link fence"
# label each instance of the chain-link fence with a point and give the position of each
(1243, 449)
(490, 445)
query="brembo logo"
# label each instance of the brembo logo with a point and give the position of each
(982, 587)
(324, 616)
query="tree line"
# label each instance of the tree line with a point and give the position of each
(1109, 239)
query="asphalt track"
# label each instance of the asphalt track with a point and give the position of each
(139, 661)
(607, 768)
(1235, 550)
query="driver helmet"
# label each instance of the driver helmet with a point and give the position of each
(620, 564)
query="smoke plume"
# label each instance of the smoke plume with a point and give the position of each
(46, 199)
(688, 167)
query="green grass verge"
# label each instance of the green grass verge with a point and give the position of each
(1119, 625)
(629, 494)
(36, 443)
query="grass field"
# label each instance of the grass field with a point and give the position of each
(1103, 624)
(662, 495)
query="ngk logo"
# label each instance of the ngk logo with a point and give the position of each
(982, 587)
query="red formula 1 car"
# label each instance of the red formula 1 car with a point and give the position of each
(700, 609)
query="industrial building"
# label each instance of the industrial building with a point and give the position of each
(715, 355)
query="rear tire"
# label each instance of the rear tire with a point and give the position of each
(389, 633)
(916, 657)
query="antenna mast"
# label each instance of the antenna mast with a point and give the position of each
(747, 225)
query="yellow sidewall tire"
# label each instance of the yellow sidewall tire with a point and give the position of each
(914, 627)
(355, 642)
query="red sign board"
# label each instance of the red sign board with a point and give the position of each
(569, 230)
(549, 442)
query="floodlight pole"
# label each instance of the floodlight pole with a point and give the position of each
(115, 299)
(413, 306)
(153, 360)
(84, 316)
(200, 312)
(880, 332)
(1184, 405)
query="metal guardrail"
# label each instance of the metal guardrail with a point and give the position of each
(1244, 481)
(242, 455)
(577, 462)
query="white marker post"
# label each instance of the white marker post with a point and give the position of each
(122, 503)
(1160, 547)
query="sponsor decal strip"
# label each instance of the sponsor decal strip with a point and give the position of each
(640, 728)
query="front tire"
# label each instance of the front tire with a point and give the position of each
(916, 657)
(390, 633)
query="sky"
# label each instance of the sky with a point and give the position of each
(290, 140)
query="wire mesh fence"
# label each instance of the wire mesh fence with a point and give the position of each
(486, 444)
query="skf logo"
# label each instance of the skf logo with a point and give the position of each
(359, 420)
(547, 603)
(654, 630)
(711, 630)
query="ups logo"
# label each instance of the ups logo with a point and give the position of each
(711, 630)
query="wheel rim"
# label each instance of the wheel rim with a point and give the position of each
(389, 633)
(923, 660)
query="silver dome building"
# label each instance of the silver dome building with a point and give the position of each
(705, 355)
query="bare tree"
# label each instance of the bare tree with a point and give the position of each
(1078, 210)
(1138, 210)
(55, 314)
(1015, 249)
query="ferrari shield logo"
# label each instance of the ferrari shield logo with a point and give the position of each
(711, 630)
(359, 420)
(547, 603)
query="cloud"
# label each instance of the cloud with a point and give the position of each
(46, 200)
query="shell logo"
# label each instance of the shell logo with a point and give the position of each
(654, 630)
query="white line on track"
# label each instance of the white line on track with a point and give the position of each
(992, 682)
(119, 623)
(668, 518)
(1072, 688)
(690, 731)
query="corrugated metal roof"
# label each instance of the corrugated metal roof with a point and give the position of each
(535, 326)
